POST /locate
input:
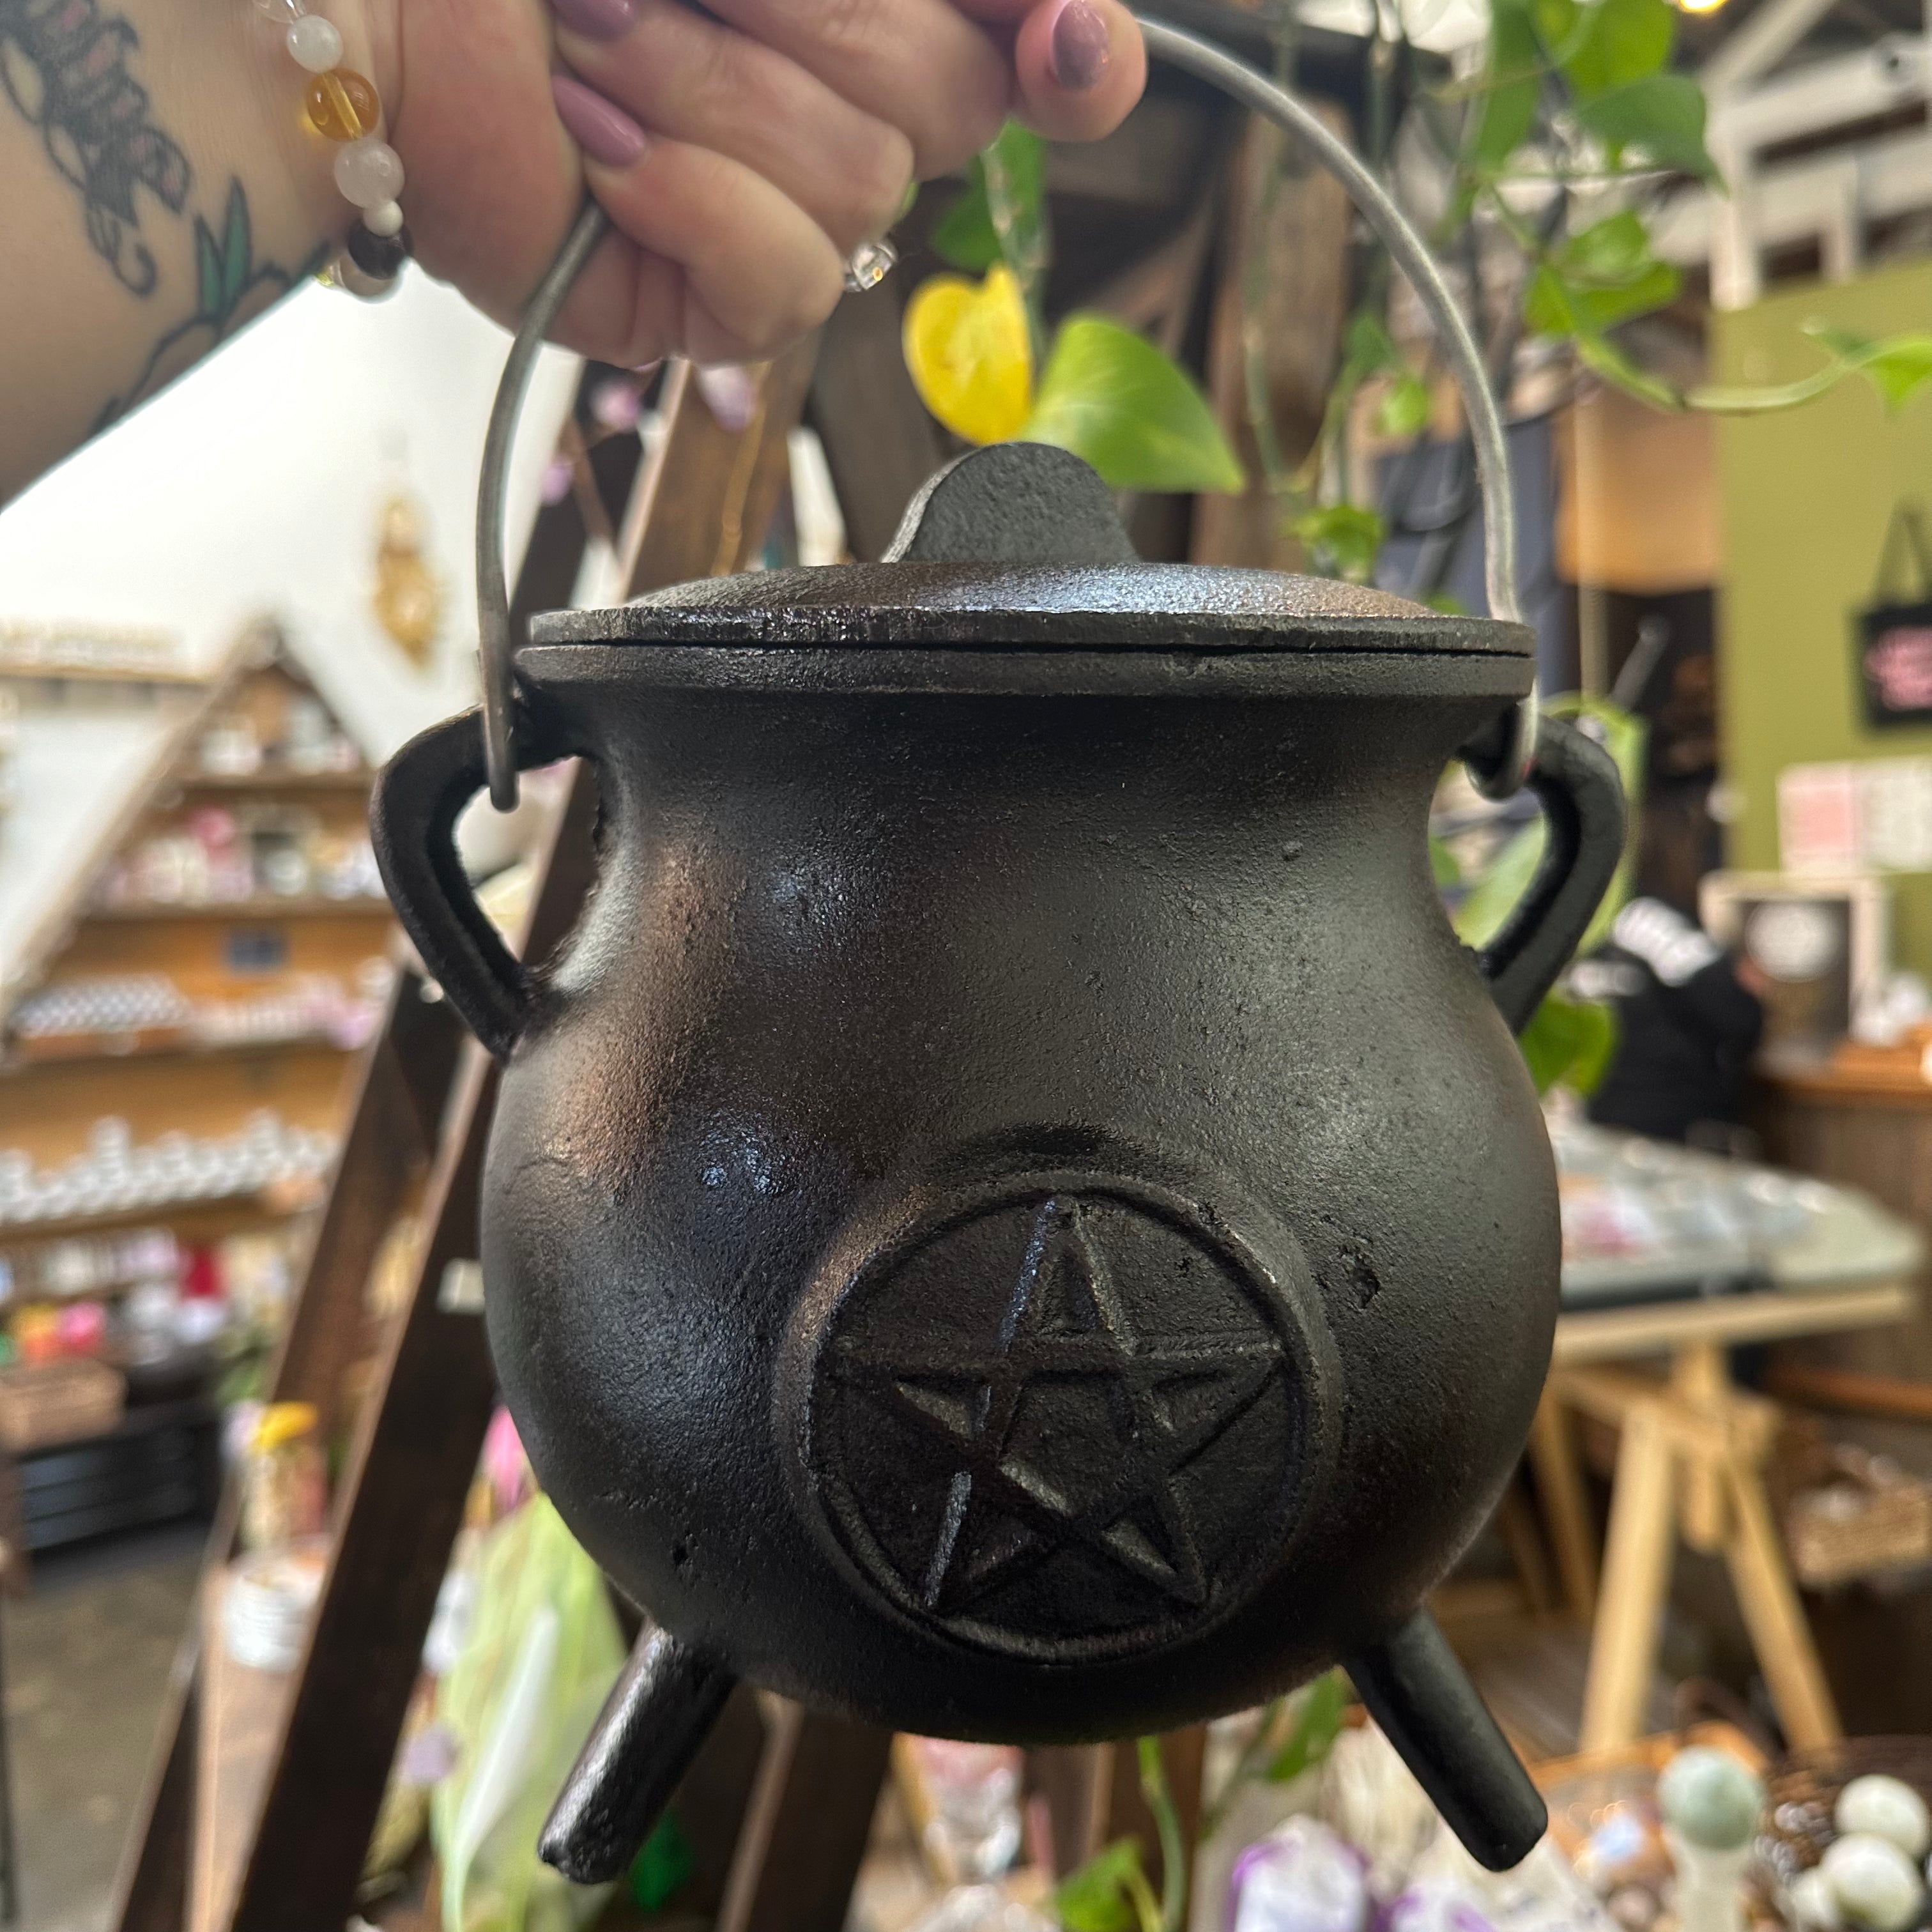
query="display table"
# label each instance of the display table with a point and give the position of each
(1690, 1464)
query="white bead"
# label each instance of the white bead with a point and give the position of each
(281, 12)
(384, 218)
(368, 172)
(315, 43)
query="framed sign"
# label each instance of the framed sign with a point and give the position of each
(1821, 943)
(1892, 638)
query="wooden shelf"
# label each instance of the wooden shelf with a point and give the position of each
(222, 1213)
(153, 1043)
(101, 1290)
(26, 669)
(278, 780)
(307, 906)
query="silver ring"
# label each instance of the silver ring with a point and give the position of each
(868, 264)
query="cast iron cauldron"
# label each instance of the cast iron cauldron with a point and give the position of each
(1014, 1217)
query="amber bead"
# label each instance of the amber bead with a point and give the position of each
(342, 105)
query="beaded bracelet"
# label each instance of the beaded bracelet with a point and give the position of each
(343, 106)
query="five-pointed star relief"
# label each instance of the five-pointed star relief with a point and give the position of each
(1066, 1326)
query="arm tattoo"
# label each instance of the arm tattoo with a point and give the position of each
(231, 288)
(65, 66)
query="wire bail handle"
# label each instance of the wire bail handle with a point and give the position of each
(1496, 774)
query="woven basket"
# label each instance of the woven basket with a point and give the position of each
(1802, 1792)
(58, 1402)
(1870, 1517)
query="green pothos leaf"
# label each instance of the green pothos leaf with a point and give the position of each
(1347, 538)
(1616, 42)
(963, 237)
(1404, 409)
(1511, 83)
(1555, 306)
(1317, 1725)
(1613, 251)
(1001, 216)
(1899, 366)
(1569, 1043)
(1662, 114)
(1367, 347)
(1107, 1893)
(1559, 26)
(1110, 397)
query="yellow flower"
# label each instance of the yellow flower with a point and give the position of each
(971, 352)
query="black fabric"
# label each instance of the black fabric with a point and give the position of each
(1681, 1050)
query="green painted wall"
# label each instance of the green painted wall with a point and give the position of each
(1806, 496)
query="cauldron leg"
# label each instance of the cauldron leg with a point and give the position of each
(1430, 1711)
(658, 1713)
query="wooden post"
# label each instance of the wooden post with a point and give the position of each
(805, 1830)
(703, 506)
(1565, 1505)
(1775, 1618)
(880, 445)
(1636, 1576)
(1277, 326)
(1699, 1380)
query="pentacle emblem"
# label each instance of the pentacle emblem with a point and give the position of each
(1064, 1426)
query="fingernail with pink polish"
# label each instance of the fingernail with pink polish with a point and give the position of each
(597, 19)
(1079, 49)
(604, 131)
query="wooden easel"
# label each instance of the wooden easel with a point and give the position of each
(1690, 1463)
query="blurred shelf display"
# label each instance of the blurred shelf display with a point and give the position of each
(356, 778)
(113, 1175)
(174, 1085)
(1647, 1220)
(363, 905)
(117, 1016)
(55, 650)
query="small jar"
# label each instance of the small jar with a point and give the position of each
(284, 1478)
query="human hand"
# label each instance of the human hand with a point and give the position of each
(742, 151)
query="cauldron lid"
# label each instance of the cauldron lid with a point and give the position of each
(1020, 544)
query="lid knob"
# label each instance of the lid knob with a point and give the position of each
(1013, 503)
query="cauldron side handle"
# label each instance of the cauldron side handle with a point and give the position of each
(659, 1711)
(419, 795)
(1429, 1710)
(1575, 781)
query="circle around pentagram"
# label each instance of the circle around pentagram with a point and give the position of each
(1066, 1424)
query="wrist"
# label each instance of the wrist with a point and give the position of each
(291, 177)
